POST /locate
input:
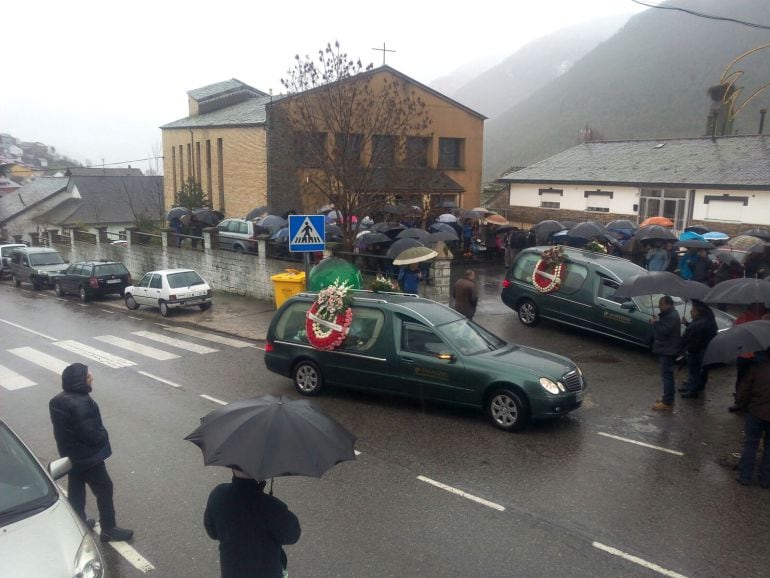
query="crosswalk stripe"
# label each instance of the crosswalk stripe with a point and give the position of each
(94, 354)
(180, 343)
(11, 380)
(210, 337)
(134, 347)
(39, 358)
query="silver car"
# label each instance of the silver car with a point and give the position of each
(238, 235)
(40, 533)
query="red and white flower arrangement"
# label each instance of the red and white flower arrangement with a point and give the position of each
(328, 320)
(549, 270)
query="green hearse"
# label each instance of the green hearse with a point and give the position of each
(408, 346)
(586, 297)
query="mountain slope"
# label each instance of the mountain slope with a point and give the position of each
(533, 66)
(650, 80)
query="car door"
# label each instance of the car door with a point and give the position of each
(65, 281)
(155, 290)
(427, 367)
(225, 241)
(140, 291)
(612, 315)
(575, 303)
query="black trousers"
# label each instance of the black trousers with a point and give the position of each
(100, 483)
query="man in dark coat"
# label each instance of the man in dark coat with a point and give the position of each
(466, 294)
(666, 334)
(753, 396)
(251, 527)
(80, 436)
(698, 334)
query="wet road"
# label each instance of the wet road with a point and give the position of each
(557, 495)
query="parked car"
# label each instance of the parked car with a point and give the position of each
(89, 279)
(239, 235)
(409, 346)
(169, 289)
(5, 258)
(40, 533)
(585, 299)
(36, 265)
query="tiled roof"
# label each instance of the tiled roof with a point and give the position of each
(106, 200)
(30, 194)
(100, 172)
(218, 88)
(248, 112)
(723, 162)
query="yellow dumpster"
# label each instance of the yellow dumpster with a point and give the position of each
(287, 285)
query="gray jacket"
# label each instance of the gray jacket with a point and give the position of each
(667, 333)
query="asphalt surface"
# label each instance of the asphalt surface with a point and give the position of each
(559, 494)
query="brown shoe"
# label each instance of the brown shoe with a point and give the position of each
(660, 406)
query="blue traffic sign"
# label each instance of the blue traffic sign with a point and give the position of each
(307, 233)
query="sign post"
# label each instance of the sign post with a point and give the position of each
(307, 234)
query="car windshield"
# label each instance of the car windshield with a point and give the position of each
(184, 279)
(24, 488)
(111, 269)
(470, 338)
(649, 303)
(42, 259)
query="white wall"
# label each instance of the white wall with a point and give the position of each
(756, 212)
(573, 197)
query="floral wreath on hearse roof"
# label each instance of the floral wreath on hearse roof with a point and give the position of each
(329, 318)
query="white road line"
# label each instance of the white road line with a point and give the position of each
(95, 354)
(39, 358)
(357, 452)
(637, 560)
(160, 379)
(60, 299)
(457, 492)
(209, 336)
(107, 311)
(134, 347)
(214, 399)
(27, 329)
(652, 447)
(174, 342)
(11, 380)
(137, 318)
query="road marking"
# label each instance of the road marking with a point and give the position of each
(660, 449)
(208, 336)
(214, 399)
(180, 343)
(11, 380)
(84, 304)
(134, 347)
(95, 354)
(60, 299)
(39, 358)
(137, 318)
(160, 379)
(357, 452)
(29, 330)
(107, 311)
(637, 560)
(455, 491)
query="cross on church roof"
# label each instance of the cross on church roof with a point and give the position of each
(383, 50)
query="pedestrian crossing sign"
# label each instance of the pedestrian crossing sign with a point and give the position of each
(306, 233)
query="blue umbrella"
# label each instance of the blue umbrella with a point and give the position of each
(716, 236)
(691, 236)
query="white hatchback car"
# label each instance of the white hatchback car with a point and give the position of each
(169, 289)
(40, 533)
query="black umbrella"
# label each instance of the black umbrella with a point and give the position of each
(441, 236)
(588, 230)
(763, 234)
(699, 229)
(741, 291)
(373, 239)
(268, 436)
(208, 217)
(505, 229)
(272, 222)
(653, 283)
(281, 235)
(548, 226)
(693, 244)
(569, 224)
(176, 213)
(622, 225)
(387, 227)
(256, 212)
(655, 233)
(413, 233)
(333, 232)
(402, 245)
(748, 337)
(435, 227)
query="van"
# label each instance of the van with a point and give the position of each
(38, 266)
(586, 296)
(5, 258)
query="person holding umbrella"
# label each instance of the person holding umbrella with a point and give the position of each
(744, 362)
(698, 334)
(409, 278)
(666, 334)
(252, 527)
(753, 396)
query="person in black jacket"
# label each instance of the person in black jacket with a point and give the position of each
(698, 334)
(251, 526)
(80, 436)
(666, 334)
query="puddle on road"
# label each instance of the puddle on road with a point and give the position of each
(640, 424)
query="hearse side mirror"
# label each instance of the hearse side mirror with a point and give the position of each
(450, 357)
(628, 306)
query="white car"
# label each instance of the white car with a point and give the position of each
(169, 289)
(40, 533)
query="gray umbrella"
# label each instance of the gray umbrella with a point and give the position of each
(588, 230)
(268, 436)
(272, 222)
(435, 227)
(176, 213)
(693, 244)
(655, 233)
(442, 236)
(742, 291)
(763, 234)
(413, 233)
(256, 213)
(652, 283)
(622, 225)
(373, 239)
(748, 337)
(402, 245)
